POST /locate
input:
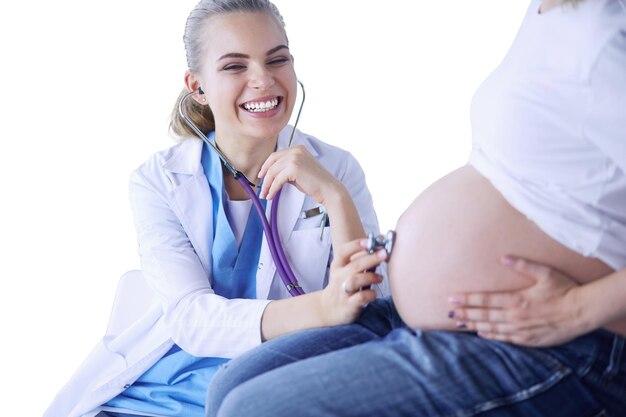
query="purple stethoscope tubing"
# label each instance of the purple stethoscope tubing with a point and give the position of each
(269, 228)
(273, 239)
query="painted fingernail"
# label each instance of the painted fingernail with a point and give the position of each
(461, 325)
(451, 314)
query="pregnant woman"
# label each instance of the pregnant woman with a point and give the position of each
(546, 181)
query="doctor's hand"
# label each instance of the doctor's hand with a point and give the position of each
(546, 313)
(298, 167)
(348, 290)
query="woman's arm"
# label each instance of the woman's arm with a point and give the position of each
(338, 303)
(298, 167)
(553, 310)
(333, 305)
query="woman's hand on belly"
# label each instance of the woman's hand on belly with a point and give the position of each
(450, 240)
(546, 313)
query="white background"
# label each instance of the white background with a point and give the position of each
(86, 89)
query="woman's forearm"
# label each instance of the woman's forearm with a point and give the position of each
(343, 215)
(602, 302)
(339, 303)
(291, 314)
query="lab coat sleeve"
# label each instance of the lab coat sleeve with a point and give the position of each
(200, 322)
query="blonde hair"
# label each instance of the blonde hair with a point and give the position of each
(194, 41)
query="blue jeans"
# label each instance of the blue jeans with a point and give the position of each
(378, 367)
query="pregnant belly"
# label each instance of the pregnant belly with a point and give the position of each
(451, 238)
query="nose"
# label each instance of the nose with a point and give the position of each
(260, 78)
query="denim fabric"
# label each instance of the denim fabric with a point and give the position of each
(378, 367)
(376, 321)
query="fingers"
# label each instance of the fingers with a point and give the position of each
(487, 299)
(273, 169)
(497, 336)
(357, 282)
(268, 163)
(479, 315)
(343, 252)
(365, 262)
(511, 326)
(522, 338)
(294, 166)
(361, 298)
(274, 182)
(353, 253)
(274, 176)
(527, 268)
(485, 327)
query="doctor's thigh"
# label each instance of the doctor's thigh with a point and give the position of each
(377, 320)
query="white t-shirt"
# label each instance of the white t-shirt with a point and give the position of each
(237, 212)
(549, 126)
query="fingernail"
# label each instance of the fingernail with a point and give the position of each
(451, 314)
(461, 325)
(363, 243)
(454, 299)
(507, 260)
(381, 254)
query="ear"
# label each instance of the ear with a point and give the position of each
(192, 83)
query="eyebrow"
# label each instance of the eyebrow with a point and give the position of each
(240, 55)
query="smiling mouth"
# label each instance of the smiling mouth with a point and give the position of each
(261, 106)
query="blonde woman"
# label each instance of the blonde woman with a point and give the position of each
(546, 181)
(212, 283)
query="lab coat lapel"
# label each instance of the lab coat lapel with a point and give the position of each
(192, 197)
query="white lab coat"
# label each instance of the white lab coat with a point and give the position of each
(172, 208)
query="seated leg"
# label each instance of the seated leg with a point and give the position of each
(377, 320)
(422, 374)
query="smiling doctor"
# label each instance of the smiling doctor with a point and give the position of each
(206, 265)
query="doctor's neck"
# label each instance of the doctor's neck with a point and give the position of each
(246, 154)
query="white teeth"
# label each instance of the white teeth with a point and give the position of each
(258, 107)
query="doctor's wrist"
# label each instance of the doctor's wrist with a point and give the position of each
(335, 198)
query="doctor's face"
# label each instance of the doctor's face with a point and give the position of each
(248, 75)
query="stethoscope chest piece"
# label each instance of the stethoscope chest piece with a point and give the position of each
(381, 242)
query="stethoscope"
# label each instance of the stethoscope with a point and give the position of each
(270, 227)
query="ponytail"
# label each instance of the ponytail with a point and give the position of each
(201, 116)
